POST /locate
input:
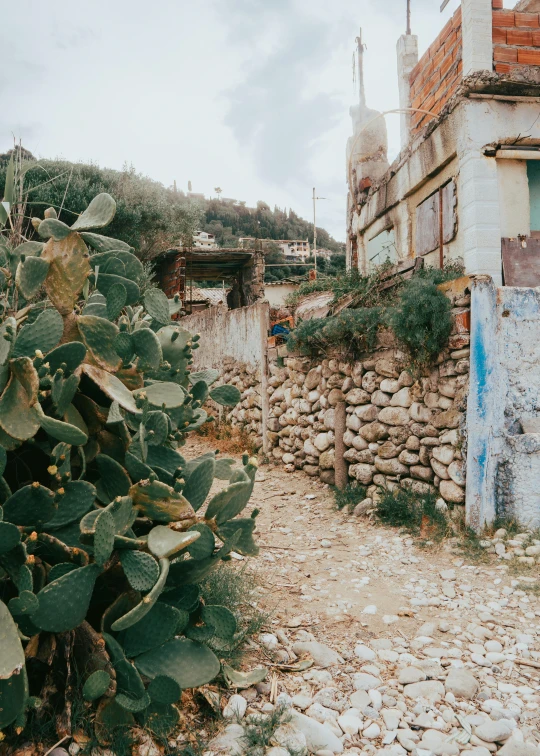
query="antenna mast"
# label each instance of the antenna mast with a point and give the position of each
(360, 53)
(408, 16)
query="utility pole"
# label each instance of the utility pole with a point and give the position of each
(315, 198)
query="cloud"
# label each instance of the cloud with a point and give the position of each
(274, 111)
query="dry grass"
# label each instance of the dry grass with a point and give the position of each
(228, 438)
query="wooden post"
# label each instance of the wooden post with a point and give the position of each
(340, 464)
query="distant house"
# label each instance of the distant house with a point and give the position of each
(276, 292)
(203, 239)
(293, 249)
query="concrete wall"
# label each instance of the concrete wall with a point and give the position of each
(236, 342)
(276, 294)
(229, 333)
(503, 463)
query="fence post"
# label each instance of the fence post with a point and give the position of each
(340, 464)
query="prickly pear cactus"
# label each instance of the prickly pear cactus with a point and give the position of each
(106, 530)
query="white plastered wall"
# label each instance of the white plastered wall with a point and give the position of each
(515, 211)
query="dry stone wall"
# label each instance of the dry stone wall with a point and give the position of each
(247, 415)
(399, 430)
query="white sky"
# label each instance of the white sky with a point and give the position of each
(249, 95)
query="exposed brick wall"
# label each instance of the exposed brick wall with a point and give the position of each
(172, 275)
(516, 38)
(437, 74)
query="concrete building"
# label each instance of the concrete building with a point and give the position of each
(466, 184)
(293, 249)
(204, 240)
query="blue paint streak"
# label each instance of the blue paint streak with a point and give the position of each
(479, 365)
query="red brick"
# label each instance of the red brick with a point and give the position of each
(529, 57)
(504, 18)
(505, 54)
(497, 4)
(456, 18)
(519, 37)
(447, 30)
(503, 67)
(499, 36)
(438, 57)
(527, 19)
(446, 65)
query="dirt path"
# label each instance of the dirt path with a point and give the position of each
(348, 584)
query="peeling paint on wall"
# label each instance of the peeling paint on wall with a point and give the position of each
(503, 462)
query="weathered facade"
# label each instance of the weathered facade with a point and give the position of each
(467, 178)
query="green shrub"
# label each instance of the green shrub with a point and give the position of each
(350, 496)
(351, 333)
(417, 513)
(422, 320)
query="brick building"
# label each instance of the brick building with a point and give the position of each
(466, 184)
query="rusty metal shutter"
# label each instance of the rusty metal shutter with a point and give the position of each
(521, 265)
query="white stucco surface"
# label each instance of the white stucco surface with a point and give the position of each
(515, 211)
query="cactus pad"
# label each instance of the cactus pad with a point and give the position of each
(161, 719)
(25, 603)
(200, 482)
(158, 394)
(111, 717)
(98, 214)
(155, 628)
(135, 705)
(13, 695)
(98, 335)
(164, 690)
(104, 243)
(43, 334)
(147, 347)
(11, 650)
(31, 505)
(52, 228)
(17, 416)
(185, 598)
(160, 502)
(9, 537)
(75, 499)
(228, 396)
(71, 355)
(96, 685)
(245, 543)
(139, 611)
(65, 432)
(114, 478)
(141, 570)
(224, 469)
(157, 306)
(62, 568)
(166, 458)
(68, 271)
(30, 275)
(111, 387)
(208, 376)
(103, 537)
(63, 604)
(116, 300)
(157, 428)
(106, 281)
(222, 620)
(164, 542)
(205, 545)
(187, 662)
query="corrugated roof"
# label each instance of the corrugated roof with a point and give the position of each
(214, 296)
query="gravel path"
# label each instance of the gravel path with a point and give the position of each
(415, 650)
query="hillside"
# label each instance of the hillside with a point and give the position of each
(151, 217)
